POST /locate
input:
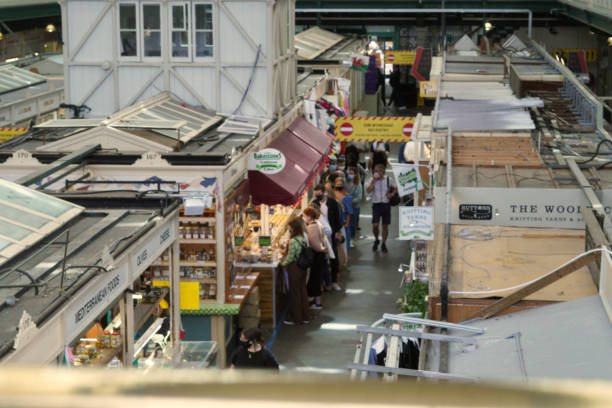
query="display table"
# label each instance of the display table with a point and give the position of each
(269, 302)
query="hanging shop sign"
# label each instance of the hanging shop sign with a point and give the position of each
(589, 53)
(268, 161)
(400, 57)
(407, 178)
(94, 301)
(374, 129)
(428, 89)
(416, 223)
(518, 207)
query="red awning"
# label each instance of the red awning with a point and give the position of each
(305, 148)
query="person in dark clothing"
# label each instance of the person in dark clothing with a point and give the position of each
(331, 210)
(380, 83)
(251, 353)
(298, 296)
(380, 154)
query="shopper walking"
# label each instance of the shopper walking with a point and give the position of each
(355, 189)
(381, 188)
(318, 243)
(298, 297)
(251, 353)
(330, 209)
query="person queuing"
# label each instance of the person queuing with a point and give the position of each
(318, 243)
(343, 197)
(330, 209)
(322, 220)
(298, 297)
(355, 189)
(381, 188)
(251, 353)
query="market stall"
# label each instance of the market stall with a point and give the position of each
(84, 259)
(258, 221)
(205, 174)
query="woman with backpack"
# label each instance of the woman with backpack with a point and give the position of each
(299, 311)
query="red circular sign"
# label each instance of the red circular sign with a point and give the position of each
(346, 129)
(391, 57)
(407, 129)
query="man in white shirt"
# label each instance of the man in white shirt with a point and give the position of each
(381, 188)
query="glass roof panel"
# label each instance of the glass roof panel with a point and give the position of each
(23, 217)
(13, 231)
(13, 78)
(33, 200)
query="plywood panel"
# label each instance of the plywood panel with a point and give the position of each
(485, 259)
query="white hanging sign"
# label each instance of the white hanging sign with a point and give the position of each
(416, 223)
(268, 161)
(407, 178)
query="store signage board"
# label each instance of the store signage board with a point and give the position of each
(416, 223)
(400, 57)
(475, 212)
(407, 178)
(517, 207)
(373, 129)
(267, 161)
(141, 258)
(428, 89)
(94, 300)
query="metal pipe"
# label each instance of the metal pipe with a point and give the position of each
(422, 10)
(434, 323)
(449, 189)
(416, 334)
(64, 174)
(410, 372)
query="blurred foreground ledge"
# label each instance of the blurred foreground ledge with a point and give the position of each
(92, 388)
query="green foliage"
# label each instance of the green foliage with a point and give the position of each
(414, 298)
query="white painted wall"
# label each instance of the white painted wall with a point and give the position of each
(97, 76)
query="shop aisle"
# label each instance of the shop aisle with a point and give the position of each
(370, 289)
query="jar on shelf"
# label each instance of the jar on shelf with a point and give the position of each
(181, 232)
(188, 232)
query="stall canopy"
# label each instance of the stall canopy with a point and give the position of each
(305, 149)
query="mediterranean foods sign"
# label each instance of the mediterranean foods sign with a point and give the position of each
(268, 161)
(374, 129)
(518, 207)
(416, 223)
